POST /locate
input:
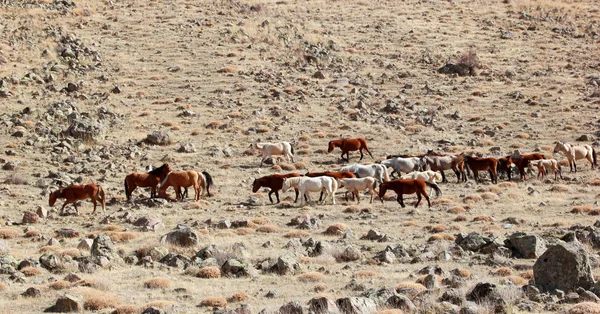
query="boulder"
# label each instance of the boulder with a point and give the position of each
(31, 293)
(66, 304)
(50, 261)
(103, 246)
(350, 254)
(482, 292)
(235, 268)
(85, 129)
(564, 266)
(323, 306)
(356, 305)
(85, 244)
(287, 264)
(158, 138)
(30, 217)
(181, 237)
(453, 296)
(402, 302)
(471, 242)
(41, 212)
(153, 310)
(148, 223)
(292, 308)
(525, 245)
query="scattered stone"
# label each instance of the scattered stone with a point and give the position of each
(460, 69)
(356, 305)
(350, 254)
(323, 305)
(272, 294)
(375, 235)
(73, 277)
(235, 268)
(471, 242)
(564, 266)
(66, 304)
(586, 138)
(525, 245)
(103, 246)
(31, 293)
(292, 308)
(85, 244)
(148, 223)
(319, 75)
(453, 296)
(181, 237)
(287, 264)
(481, 292)
(158, 138)
(9, 166)
(402, 302)
(67, 233)
(153, 310)
(50, 261)
(186, 148)
(30, 217)
(41, 212)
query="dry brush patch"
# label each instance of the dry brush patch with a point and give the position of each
(311, 277)
(158, 283)
(209, 272)
(336, 229)
(9, 233)
(214, 302)
(161, 304)
(95, 300)
(239, 296)
(128, 309)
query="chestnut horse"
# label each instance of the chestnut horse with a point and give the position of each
(334, 174)
(181, 179)
(273, 182)
(348, 145)
(504, 166)
(408, 186)
(150, 179)
(522, 161)
(576, 152)
(477, 164)
(74, 193)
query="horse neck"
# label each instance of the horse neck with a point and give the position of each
(165, 181)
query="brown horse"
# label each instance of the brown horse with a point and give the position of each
(408, 186)
(477, 164)
(273, 182)
(334, 174)
(441, 163)
(150, 179)
(181, 179)
(504, 166)
(74, 193)
(348, 145)
(522, 161)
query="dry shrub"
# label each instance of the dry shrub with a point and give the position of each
(321, 151)
(460, 218)
(128, 309)
(31, 271)
(469, 58)
(410, 223)
(390, 311)
(411, 285)
(517, 280)
(523, 135)
(489, 196)
(209, 272)
(336, 229)
(441, 201)
(528, 274)
(239, 296)
(352, 209)
(311, 277)
(301, 165)
(95, 300)
(73, 252)
(507, 185)
(227, 69)
(122, 236)
(262, 129)
(297, 234)
(473, 198)
(161, 304)
(196, 132)
(214, 302)
(214, 124)
(304, 138)
(50, 249)
(437, 228)
(244, 231)
(2, 287)
(32, 234)
(503, 271)
(260, 220)
(483, 218)
(287, 167)
(268, 228)
(101, 283)
(157, 283)
(60, 285)
(366, 274)
(226, 234)
(113, 228)
(421, 279)
(9, 232)
(594, 182)
(441, 236)
(456, 210)
(585, 308)
(581, 209)
(462, 273)
(594, 212)
(517, 145)
(320, 287)
(560, 188)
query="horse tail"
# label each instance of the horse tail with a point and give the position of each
(386, 175)
(292, 149)
(364, 144)
(102, 196)
(126, 189)
(438, 192)
(459, 158)
(209, 181)
(594, 156)
(356, 174)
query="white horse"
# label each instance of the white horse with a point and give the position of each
(308, 184)
(576, 152)
(428, 176)
(355, 185)
(546, 164)
(377, 171)
(275, 149)
(399, 164)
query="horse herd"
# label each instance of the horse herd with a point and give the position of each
(422, 171)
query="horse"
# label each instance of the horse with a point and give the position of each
(547, 164)
(477, 164)
(307, 184)
(576, 152)
(441, 163)
(275, 149)
(504, 166)
(400, 164)
(74, 193)
(377, 171)
(348, 145)
(334, 174)
(179, 179)
(355, 185)
(428, 175)
(404, 186)
(522, 161)
(273, 182)
(150, 179)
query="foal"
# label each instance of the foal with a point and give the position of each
(522, 161)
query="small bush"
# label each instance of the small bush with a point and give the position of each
(31, 271)
(311, 277)
(209, 272)
(366, 274)
(441, 236)
(244, 231)
(214, 302)
(128, 309)
(469, 58)
(336, 229)
(161, 304)
(483, 218)
(437, 228)
(585, 308)
(410, 285)
(297, 234)
(320, 287)
(157, 283)
(460, 218)
(239, 296)
(503, 271)
(60, 285)
(267, 228)
(9, 232)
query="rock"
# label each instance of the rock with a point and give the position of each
(148, 223)
(469, 309)
(453, 296)
(460, 69)
(525, 245)
(356, 305)
(153, 310)
(50, 261)
(207, 252)
(41, 212)
(585, 138)
(431, 282)
(181, 237)
(350, 254)
(287, 264)
(85, 244)
(323, 306)
(103, 246)
(272, 294)
(68, 303)
(564, 266)
(319, 75)
(292, 308)
(186, 148)
(385, 257)
(402, 302)
(85, 129)
(31, 293)
(482, 292)
(175, 260)
(67, 233)
(30, 217)
(73, 277)
(223, 224)
(9, 166)
(471, 242)
(375, 235)
(235, 268)
(158, 138)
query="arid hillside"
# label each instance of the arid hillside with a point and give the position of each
(91, 91)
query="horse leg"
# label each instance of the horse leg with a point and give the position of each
(355, 192)
(321, 196)
(574, 165)
(444, 180)
(428, 202)
(361, 154)
(262, 160)
(75, 205)
(401, 200)
(62, 209)
(93, 202)
(270, 199)
(418, 200)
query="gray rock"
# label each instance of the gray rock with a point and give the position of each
(402, 302)
(158, 138)
(9, 166)
(153, 310)
(148, 223)
(235, 268)
(356, 305)
(41, 212)
(68, 303)
(319, 75)
(30, 217)
(50, 261)
(585, 138)
(73, 277)
(564, 266)
(85, 244)
(323, 306)
(350, 254)
(272, 294)
(181, 237)
(482, 292)
(103, 246)
(287, 264)
(31, 293)
(375, 235)
(186, 148)
(85, 129)
(292, 308)
(525, 245)
(453, 296)
(471, 242)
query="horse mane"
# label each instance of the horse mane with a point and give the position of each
(158, 171)
(165, 179)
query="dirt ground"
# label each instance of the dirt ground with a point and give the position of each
(220, 75)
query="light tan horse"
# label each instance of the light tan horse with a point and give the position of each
(546, 164)
(356, 185)
(274, 149)
(576, 152)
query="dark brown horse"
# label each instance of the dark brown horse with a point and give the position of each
(504, 166)
(333, 174)
(477, 164)
(274, 182)
(348, 145)
(74, 193)
(402, 186)
(522, 161)
(150, 179)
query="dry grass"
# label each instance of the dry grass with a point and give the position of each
(113, 228)
(528, 274)
(441, 236)
(580, 209)
(9, 232)
(410, 223)
(585, 308)
(483, 218)
(460, 218)
(287, 167)
(31, 271)
(214, 302)
(239, 296)
(161, 304)
(260, 220)
(503, 271)
(60, 285)
(32, 234)
(297, 234)
(336, 229)
(320, 287)
(95, 300)
(456, 210)
(244, 231)
(2, 287)
(209, 272)
(311, 277)
(158, 283)
(390, 311)
(119, 237)
(462, 273)
(489, 196)
(352, 209)
(437, 228)
(268, 228)
(128, 309)
(366, 274)
(473, 198)
(507, 185)
(410, 285)
(561, 188)
(517, 280)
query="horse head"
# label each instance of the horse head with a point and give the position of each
(331, 146)
(285, 186)
(382, 190)
(255, 185)
(53, 196)
(559, 147)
